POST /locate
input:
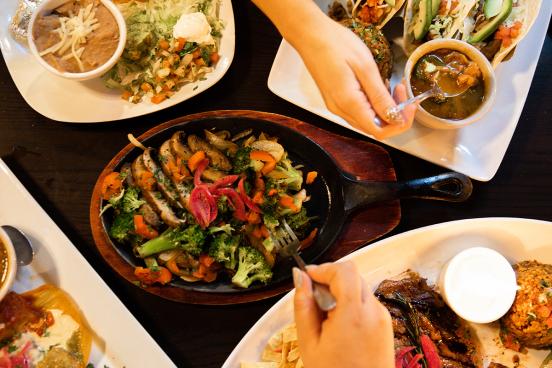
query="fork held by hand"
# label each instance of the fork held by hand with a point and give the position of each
(289, 245)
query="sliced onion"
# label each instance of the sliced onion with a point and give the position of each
(203, 206)
(223, 182)
(135, 142)
(199, 171)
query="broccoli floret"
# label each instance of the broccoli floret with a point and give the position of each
(223, 250)
(190, 239)
(299, 220)
(222, 205)
(241, 161)
(252, 267)
(285, 174)
(131, 200)
(122, 226)
(270, 221)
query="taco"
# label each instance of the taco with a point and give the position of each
(376, 12)
(43, 328)
(495, 27)
(427, 20)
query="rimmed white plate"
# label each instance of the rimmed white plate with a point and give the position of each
(90, 102)
(119, 340)
(425, 250)
(476, 150)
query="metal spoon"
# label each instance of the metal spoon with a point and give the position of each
(443, 87)
(23, 249)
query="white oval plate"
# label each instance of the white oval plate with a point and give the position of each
(90, 101)
(425, 251)
(476, 150)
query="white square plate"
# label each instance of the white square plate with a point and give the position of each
(476, 150)
(425, 251)
(90, 102)
(119, 340)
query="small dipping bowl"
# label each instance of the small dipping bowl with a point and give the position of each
(473, 54)
(478, 284)
(46, 7)
(9, 277)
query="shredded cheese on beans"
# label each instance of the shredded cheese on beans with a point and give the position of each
(73, 32)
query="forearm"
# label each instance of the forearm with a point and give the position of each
(295, 19)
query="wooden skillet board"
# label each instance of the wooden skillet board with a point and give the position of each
(362, 159)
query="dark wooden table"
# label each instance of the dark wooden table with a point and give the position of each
(59, 163)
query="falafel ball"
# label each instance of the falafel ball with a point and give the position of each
(529, 322)
(376, 42)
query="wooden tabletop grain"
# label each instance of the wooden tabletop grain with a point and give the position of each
(59, 163)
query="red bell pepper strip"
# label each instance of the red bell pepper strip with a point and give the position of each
(223, 182)
(245, 198)
(430, 352)
(235, 202)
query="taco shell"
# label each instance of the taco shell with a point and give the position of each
(49, 297)
(528, 15)
(410, 44)
(357, 4)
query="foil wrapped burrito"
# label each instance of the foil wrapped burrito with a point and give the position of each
(20, 22)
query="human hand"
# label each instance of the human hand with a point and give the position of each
(356, 334)
(348, 78)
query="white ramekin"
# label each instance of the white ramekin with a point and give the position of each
(478, 284)
(12, 263)
(473, 54)
(46, 7)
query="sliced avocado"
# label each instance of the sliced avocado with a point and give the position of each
(422, 19)
(492, 8)
(435, 4)
(493, 24)
(390, 2)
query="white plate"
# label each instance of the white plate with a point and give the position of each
(89, 102)
(476, 150)
(425, 250)
(119, 340)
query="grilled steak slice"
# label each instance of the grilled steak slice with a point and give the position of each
(434, 318)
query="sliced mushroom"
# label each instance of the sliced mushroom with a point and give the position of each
(163, 182)
(127, 173)
(150, 216)
(181, 151)
(217, 158)
(182, 189)
(154, 198)
(241, 135)
(220, 143)
(179, 147)
(275, 149)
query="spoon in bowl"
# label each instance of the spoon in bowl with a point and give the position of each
(444, 86)
(23, 249)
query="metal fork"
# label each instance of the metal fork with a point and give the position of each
(289, 244)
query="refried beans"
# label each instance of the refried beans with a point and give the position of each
(91, 36)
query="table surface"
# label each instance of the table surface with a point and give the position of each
(59, 163)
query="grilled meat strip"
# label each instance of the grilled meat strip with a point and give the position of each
(434, 318)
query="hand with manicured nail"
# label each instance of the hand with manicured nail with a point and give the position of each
(341, 65)
(356, 334)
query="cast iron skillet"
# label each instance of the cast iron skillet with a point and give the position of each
(335, 194)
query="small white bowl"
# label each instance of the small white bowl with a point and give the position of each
(478, 284)
(12, 263)
(473, 54)
(45, 8)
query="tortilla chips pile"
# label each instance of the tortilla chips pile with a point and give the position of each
(281, 351)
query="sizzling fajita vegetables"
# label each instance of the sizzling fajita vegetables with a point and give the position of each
(202, 207)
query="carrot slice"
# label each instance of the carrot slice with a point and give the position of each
(272, 192)
(258, 198)
(195, 160)
(180, 42)
(173, 267)
(126, 95)
(264, 232)
(288, 202)
(214, 57)
(164, 44)
(142, 229)
(311, 176)
(158, 98)
(253, 218)
(257, 233)
(111, 185)
(305, 243)
(268, 167)
(206, 260)
(261, 156)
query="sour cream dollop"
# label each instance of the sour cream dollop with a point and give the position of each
(194, 27)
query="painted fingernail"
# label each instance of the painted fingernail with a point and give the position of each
(297, 278)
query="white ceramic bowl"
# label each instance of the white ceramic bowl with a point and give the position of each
(478, 284)
(473, 54)
(46, 7)
(12, 264)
